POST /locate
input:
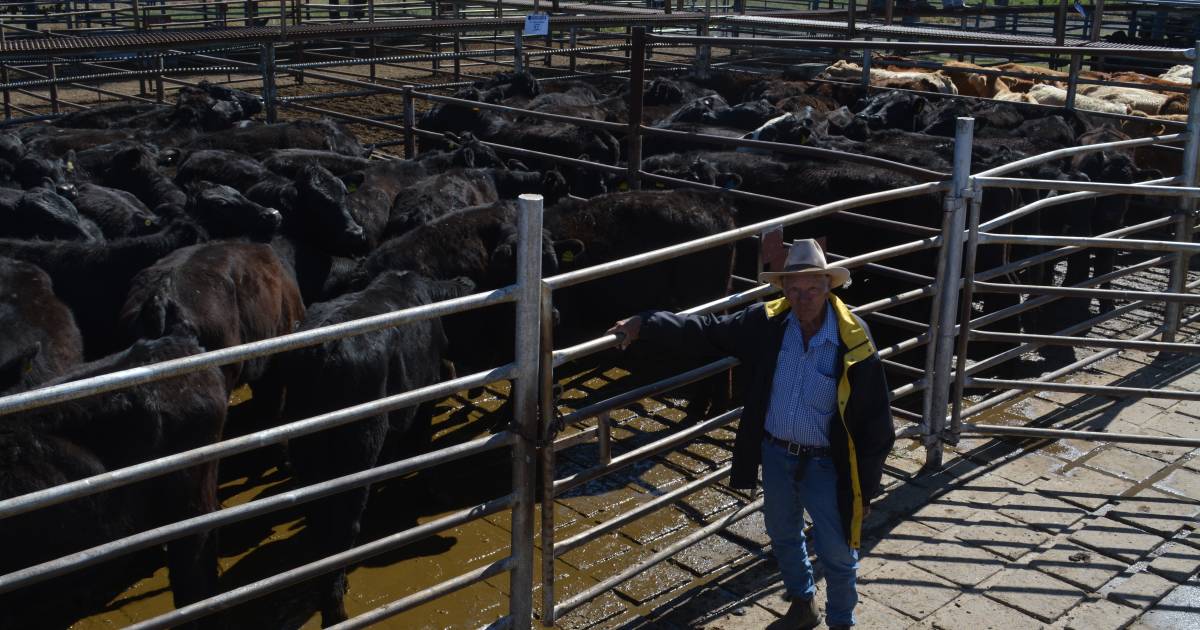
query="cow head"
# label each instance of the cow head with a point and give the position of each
(791, 128)
(225, 212)
(702, 110)
(321, 206)
(43, 213)
(893, 110)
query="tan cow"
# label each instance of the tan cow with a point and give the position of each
(842, 70)
(1051, 95)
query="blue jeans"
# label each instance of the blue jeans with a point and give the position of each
(784, 503)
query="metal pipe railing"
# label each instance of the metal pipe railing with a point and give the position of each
(171, 463)
(196, 524)
(308, 571)
(214, 358)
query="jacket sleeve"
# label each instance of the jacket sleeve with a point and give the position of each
(699, 335)
(875, 434)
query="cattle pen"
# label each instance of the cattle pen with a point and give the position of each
(946, 290)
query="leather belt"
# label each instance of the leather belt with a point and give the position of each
(794, 448)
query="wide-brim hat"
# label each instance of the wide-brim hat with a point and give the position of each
(806, 258)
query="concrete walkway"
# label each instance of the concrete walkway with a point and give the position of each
(1012, 534)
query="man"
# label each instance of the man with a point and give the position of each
(816, 418)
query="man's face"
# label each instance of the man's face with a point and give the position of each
(807, 295)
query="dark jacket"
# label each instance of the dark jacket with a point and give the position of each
(862, 435)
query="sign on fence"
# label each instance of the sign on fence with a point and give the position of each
(537, 24)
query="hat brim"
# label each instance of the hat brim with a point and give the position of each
(837, 275)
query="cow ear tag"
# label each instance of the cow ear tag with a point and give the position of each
(623, 186)
(352, 188)
(148, 222)
(70, 166)
(28, 367)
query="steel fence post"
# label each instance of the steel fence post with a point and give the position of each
(525, 407)
(52, 73)
(548, 459)
(159, 88)
(940, 352)
(1185, 220)
(7, 92)
(572, 41)
(267, 65)
(964, 315)
(1073, 81)
(637, 74)
(866, 69)
(518, 51)
(410, 119)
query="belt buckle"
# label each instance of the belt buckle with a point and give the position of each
(793, 448)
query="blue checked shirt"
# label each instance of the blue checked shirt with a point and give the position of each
(804, 392)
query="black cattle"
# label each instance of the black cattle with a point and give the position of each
(672, 91)
(92, 278)
(701, 110)
(132, 167)
(118, 213)
(321, 135)
(226, 213)
(479, 243)
(52, 142)
(580, 101)
(223, 167)
(352, 371)
(232, 293)
(545, 136)
(32, 171)
(436, 195)
(507, 86)
(111, 116)
(43, 214)
(98, 434)
(315, 208)
(698, 170)
(38, 336)
(1113, 166)
(11, 147)
(617, 225)
(288, 162)
(893, 109)
(319, 274)
(205, 107)
(462, 151)
(371, 202)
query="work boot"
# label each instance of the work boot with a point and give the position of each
(802, 615)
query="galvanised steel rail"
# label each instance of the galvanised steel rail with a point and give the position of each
(228, 516)
(234, 354)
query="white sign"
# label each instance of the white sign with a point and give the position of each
(537, 24)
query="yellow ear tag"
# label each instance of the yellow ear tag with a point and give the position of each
(149, 222)
(623, 186)
(70, 166)
(28, 367)
(568, 256)
(659, 185)
(240, 395)
(352, 188)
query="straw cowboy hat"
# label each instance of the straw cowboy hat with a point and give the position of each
(806, 258)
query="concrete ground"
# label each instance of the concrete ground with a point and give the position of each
(1011, 534)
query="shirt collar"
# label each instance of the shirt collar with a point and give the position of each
(828, 331)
